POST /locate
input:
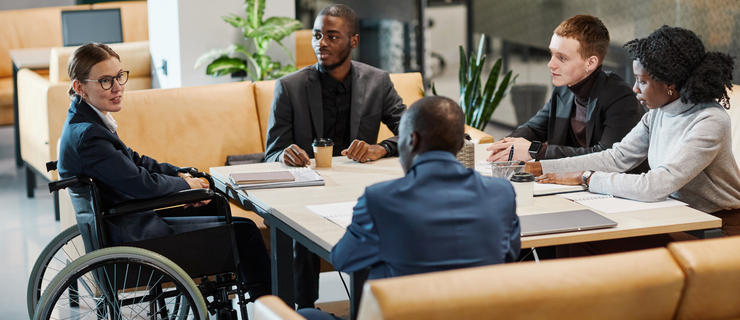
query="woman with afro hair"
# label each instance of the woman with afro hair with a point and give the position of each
(685, 137)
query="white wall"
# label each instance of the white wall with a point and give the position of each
(180, 31)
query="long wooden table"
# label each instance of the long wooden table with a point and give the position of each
(289, 219)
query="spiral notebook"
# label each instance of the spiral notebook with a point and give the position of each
(302, 177)
(610, 204)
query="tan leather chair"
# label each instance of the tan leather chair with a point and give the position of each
(272, 308)
(712, 269)
(635, 285)
(304, 54)
(43, 102)
(734, 113)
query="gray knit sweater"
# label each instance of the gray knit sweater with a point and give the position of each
(689, 149)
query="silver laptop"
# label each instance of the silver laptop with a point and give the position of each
(567, 221)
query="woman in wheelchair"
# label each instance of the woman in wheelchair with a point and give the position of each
(89, 146)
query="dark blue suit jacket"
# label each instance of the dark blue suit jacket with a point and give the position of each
(440, 216)
(89, 148)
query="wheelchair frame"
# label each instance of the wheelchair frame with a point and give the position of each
(144, 253)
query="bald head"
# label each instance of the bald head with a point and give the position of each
(430, 124)
(439, 122)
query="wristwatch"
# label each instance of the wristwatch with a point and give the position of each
(534, 148)
(586, 176)
(387, 149)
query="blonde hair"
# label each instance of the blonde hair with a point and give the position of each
(83, 60)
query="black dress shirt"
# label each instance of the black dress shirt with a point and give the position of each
(336, 97)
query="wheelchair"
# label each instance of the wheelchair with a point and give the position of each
(79, 275)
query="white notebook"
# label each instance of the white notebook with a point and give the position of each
(339, 213)
(303, 177)
(610, 204)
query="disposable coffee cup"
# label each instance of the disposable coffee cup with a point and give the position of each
(523, 183)
(323, 151)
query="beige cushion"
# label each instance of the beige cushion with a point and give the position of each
(272, 308)
(192, 126)
(304, 54)
(263, 92)
(734, 113)
(636, 285)
(134, 57)
(712, 269)
(6, 100)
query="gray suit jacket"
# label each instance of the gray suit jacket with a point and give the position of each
(297, 116)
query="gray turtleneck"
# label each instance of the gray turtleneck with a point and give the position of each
(689, 149)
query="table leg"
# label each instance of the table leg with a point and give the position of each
(706, 233)
(17, 139)
(356, 282)
(283, 284)
(30, 181)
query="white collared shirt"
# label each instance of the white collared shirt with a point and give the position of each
(107, 119)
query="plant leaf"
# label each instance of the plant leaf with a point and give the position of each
(462, 79)
(280, 27)
(225, 65)
(480, 47)
(235, 20)
(434, 90)
(490, 86)
(255, 11)
(503, 89)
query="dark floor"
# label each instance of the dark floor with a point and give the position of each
(27, 226)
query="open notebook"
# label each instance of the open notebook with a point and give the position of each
(610, 204)
(301, 177)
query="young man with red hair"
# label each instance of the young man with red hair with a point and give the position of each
(589, 109)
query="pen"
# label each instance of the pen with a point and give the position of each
(511, 153)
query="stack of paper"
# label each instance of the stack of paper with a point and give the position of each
(300, 177)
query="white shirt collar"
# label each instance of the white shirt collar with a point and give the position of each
(107, 119)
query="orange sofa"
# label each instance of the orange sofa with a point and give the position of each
(688, 280)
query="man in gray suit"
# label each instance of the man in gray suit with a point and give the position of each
(338, 99)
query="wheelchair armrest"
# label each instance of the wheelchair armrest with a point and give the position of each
(182, 197)
(192, 171)
(69, 182)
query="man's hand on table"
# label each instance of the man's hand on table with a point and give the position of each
(361, 151)
(295, 156)
(501, 149)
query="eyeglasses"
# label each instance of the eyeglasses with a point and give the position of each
(107, 82)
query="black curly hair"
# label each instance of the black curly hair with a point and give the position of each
(676, 56)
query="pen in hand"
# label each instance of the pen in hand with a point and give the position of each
(511, 153)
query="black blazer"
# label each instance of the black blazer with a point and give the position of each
(297, 116)
(88, 148)
(613, 110)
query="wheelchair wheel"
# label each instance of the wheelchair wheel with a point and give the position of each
(61, 251)
(122, 283)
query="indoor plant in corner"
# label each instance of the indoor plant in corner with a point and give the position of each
(223, 61)
(479, 106)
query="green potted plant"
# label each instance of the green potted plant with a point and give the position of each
(477, 99)
(262, 33)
